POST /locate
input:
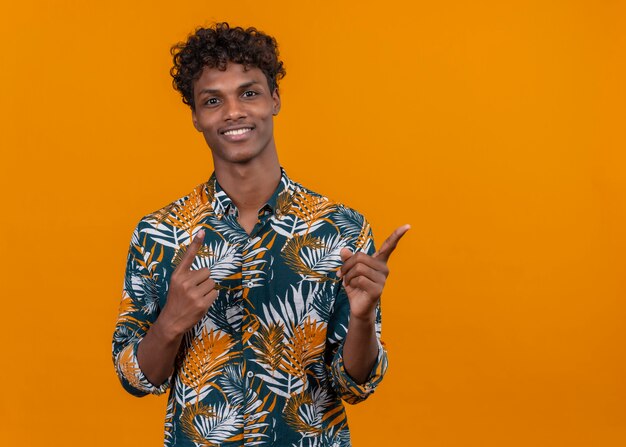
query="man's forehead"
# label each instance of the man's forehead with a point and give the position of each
(233, 75)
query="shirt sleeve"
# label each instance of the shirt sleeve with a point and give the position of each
(344, 385)
(139, 308)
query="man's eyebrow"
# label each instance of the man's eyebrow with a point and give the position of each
(248, 84)
(208, 91)
(211, 91)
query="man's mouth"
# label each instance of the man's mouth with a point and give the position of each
(234, 132)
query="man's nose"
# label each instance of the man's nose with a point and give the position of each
(233, 110)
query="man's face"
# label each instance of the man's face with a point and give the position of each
(234, 111)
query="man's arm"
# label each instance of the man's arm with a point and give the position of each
(191, 293)
(360, 349)
(364, 278)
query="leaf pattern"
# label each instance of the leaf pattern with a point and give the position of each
(209, 425)
(300, 413)
(303, 348)
(264, 365)
(292, 250)
(311, 207)
(204, 358)
(268, 345)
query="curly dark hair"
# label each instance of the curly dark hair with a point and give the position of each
(215, 46)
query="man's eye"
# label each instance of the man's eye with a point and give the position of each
(249, 93)
(211, 101)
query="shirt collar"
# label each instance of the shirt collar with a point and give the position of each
(222, 204)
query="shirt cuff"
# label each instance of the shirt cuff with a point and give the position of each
(131, 375)
(348, 389)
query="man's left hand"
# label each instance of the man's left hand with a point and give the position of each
(364, 276)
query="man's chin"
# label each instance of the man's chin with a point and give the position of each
(238, 159)
(237, 155)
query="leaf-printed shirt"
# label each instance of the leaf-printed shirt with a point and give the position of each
(264, 366)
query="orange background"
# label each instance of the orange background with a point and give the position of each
(495, 128)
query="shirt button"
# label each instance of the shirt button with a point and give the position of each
(250, 329)
(249, 284)
(249, 374)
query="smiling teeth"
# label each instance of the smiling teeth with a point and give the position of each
(237, 131)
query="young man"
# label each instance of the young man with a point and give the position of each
(253, 299)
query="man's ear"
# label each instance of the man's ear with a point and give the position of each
(276, 101)
(194, 119)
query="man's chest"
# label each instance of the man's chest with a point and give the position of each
(263, 274)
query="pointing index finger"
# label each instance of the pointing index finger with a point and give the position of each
(192, 250)
(391, 243)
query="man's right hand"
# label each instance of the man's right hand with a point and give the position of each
(191, 292)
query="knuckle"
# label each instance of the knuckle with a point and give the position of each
(359, 256)
(188, 287)
(196, 296)
(363, 269)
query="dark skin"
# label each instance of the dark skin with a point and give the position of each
(364, 278)
(234, 111)
(246, 165)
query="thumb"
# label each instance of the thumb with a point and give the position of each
(345, 254)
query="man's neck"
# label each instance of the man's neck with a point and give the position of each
(249, 185)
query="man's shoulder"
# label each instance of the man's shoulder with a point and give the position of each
(341, 221)
(197, 202)
(303, 197)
